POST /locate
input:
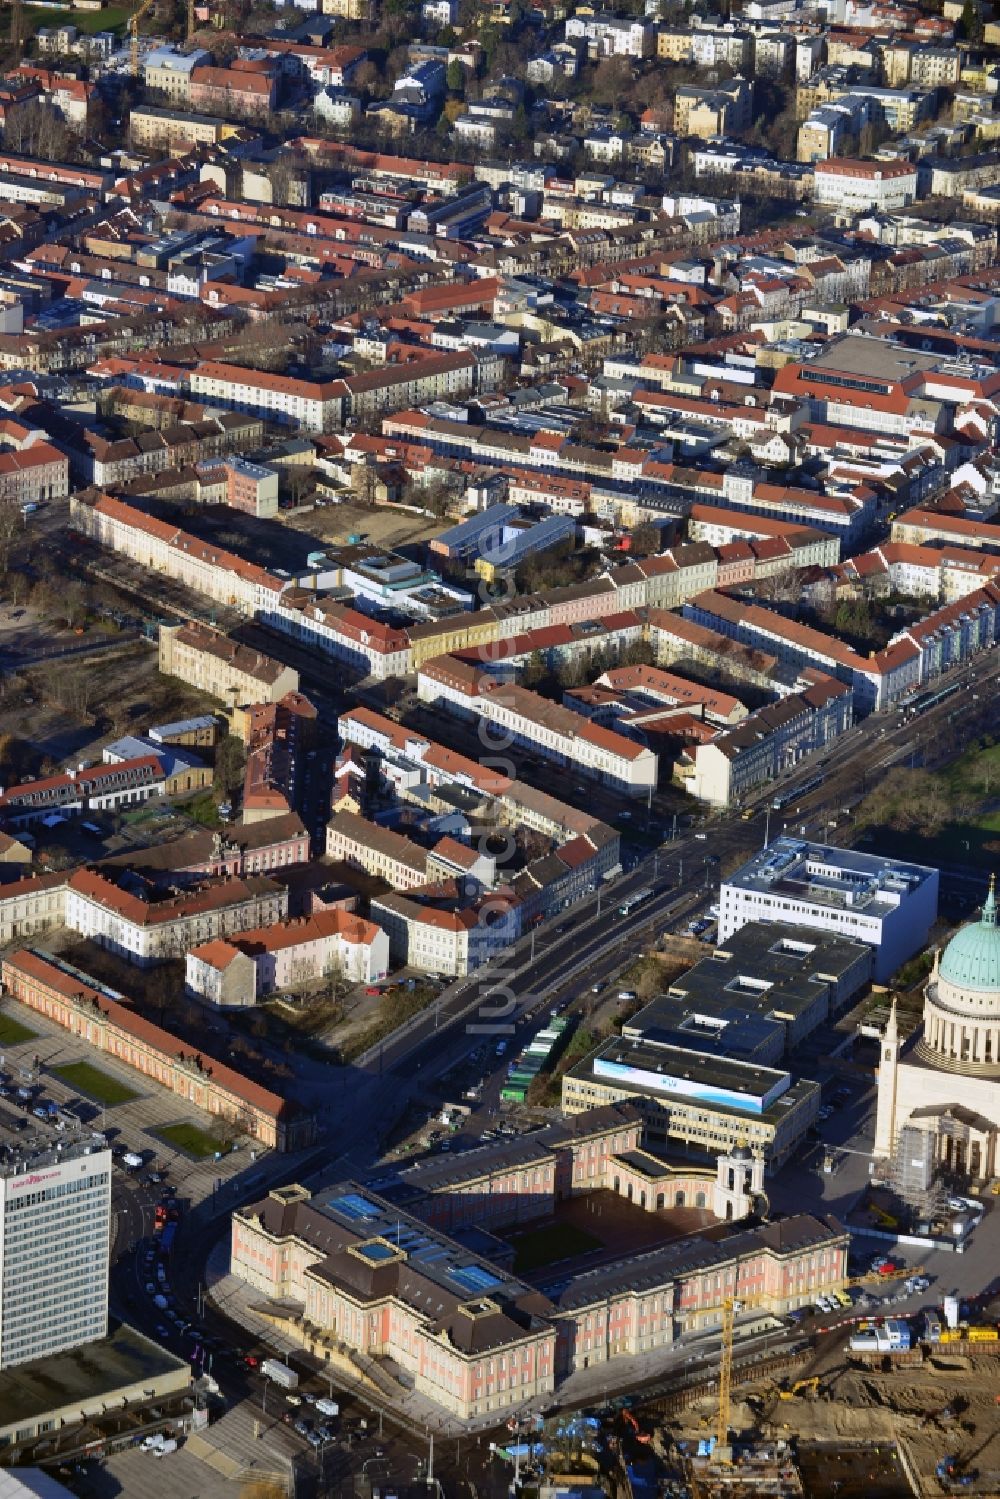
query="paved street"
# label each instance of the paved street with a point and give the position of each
(590, 942)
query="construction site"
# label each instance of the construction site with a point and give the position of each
(815, 1418)
(822, 1420)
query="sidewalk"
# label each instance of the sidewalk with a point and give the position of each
(235, 1300)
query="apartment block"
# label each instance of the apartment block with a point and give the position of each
(227, 670)
(377, 850)
(150, 925)
(307, 950)
(316, 406)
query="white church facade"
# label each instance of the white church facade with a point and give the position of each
(945, 1080)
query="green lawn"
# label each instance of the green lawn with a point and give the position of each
(202, 809)
(546, 1246)
(96, 1084)
(12, 1032)
(111, 18)
(189, 1138)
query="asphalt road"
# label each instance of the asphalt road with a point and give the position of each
(560, 962)
(683, 875)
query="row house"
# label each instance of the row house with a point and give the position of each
(555, 732)
(119, 461)
(379, 851)
(770, 741)
(156, 930)
(80, 1006)
(242, 970)
(954, 633)
(214, 663)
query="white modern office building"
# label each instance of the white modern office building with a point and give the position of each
(889, 904)
(55, 1218)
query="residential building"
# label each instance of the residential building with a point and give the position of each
(776, 737)
(315, 406)
(152, 127)
(95, 788)
(379, 851)
(147, 925)
(368, 646)
(706, 112)
(307, 950)
(167, 73)
(430, 934)
(882, 186)
(31, 476)
(222, 667)
(533, 721)
(610, 35)
(234, 91)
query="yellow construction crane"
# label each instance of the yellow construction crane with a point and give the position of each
(729, 1310)
(136, 17)
(190, 19)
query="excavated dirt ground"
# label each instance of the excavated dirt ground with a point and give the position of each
(947, 1406)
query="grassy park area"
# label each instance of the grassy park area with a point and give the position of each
(944, 817)
(12, 1032)
(98, 1085)
(87, 22)
(190, 1138)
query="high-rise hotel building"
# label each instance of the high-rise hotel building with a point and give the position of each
(55, 1214)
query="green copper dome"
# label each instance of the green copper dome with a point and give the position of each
(972, 958)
